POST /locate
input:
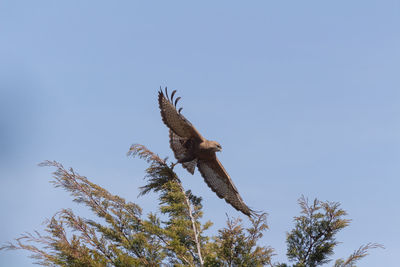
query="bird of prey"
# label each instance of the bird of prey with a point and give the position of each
(191, 149)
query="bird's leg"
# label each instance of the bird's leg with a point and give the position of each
(173, 165)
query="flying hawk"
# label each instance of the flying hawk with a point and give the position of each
(191, 149)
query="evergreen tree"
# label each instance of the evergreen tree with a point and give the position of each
(175, 236)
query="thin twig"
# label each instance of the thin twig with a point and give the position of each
(195, 231)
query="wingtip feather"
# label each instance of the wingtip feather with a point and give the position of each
(166, 92)
(172, 95)
(176, 101)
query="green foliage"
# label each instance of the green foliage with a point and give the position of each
(356, 255)
(182, 232)
(236, 246)
(313, 239)
(174, 236)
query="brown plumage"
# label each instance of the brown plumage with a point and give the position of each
(191, 149)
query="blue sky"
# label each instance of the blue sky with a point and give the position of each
(302, 95)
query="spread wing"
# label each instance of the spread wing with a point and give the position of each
(180, 147)
(219, 181)
(173, 118)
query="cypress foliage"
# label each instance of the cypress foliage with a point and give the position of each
(175, 236)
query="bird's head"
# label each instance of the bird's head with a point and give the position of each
(216, 147)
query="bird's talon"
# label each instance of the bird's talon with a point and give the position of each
(173, 165)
